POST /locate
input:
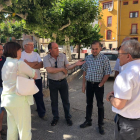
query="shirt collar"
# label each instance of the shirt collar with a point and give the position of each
(129, 64)
(52, 57)
(29, 53)
(10, 58)
(97, 56)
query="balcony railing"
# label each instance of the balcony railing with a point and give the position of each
(134, 32)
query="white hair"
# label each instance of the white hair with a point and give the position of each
(26, 41)
(131, 47)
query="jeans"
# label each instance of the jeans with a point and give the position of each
(62, 87)
(39, 99)
(92, 89)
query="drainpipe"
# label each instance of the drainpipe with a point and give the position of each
(117, 23)
(120, 20)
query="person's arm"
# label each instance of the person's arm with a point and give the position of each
(31, 64)
(38, 66)
(105, 78)
(107, 71)
(26, 70)
(72, 66)
(116, 102)
(56, 70)
(84, 82)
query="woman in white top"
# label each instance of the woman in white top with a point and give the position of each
(17, 107)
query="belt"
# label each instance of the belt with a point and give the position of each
(128, 118)
(94, 82)
(58, 80)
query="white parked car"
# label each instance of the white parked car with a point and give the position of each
(112, 56)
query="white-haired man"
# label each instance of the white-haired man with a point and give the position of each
(117, 67)
(125, 99)
(34, 61)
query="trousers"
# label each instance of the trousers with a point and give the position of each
(92, 89)
(126, 129)
(62, 87)
(19, 122)
(39, 99)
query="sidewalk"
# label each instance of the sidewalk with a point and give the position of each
(42, 130)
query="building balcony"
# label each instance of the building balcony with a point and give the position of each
(134, 32)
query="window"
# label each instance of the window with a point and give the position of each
(125, 3)
(108, 34)
(134, 29)
(107, 5)
(135, 2)
(134, 14)
(109, 21)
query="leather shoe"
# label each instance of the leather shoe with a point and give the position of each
(101, 130)
(54, 122)
(69, 122)
(85, 124)
(44, 118)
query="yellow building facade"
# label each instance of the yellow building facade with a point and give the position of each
(120, 19)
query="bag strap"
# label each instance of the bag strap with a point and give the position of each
(17, 69)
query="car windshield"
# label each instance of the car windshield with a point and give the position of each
(112, 57)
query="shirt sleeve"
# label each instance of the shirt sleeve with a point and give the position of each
(46, 62)
(22, 56)
(39, 58)
(123, 86)
(84, 66)
(117, 65)
(107, 68)
(26, 70)
(65, 60)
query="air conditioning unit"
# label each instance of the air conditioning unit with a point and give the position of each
(110, 9)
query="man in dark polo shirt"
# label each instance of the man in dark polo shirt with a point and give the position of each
(2, 60)
(57, 67)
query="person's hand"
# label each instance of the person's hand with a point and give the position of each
(100, 85)
(83, 88)
(80, 62)
(65, 71)
(110, 93)
(25, 61)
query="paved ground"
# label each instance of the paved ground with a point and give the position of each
(42, 130)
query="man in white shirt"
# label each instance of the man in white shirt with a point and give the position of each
(34, 61)
(125, 99)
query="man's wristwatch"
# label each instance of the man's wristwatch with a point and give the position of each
(110, 97)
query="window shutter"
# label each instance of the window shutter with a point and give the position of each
(131, 15)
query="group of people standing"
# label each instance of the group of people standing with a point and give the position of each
(96, 70)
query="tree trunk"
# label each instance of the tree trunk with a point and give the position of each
(54, 36)
(38, 43)
(79, 51)
(68, 51)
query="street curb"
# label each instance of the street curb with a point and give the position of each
(71, 77)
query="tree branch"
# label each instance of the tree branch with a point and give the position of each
(20, 15)
(8, 3)
(65, 26)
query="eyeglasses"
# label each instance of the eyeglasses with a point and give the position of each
(56, 64)
(121, 53)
